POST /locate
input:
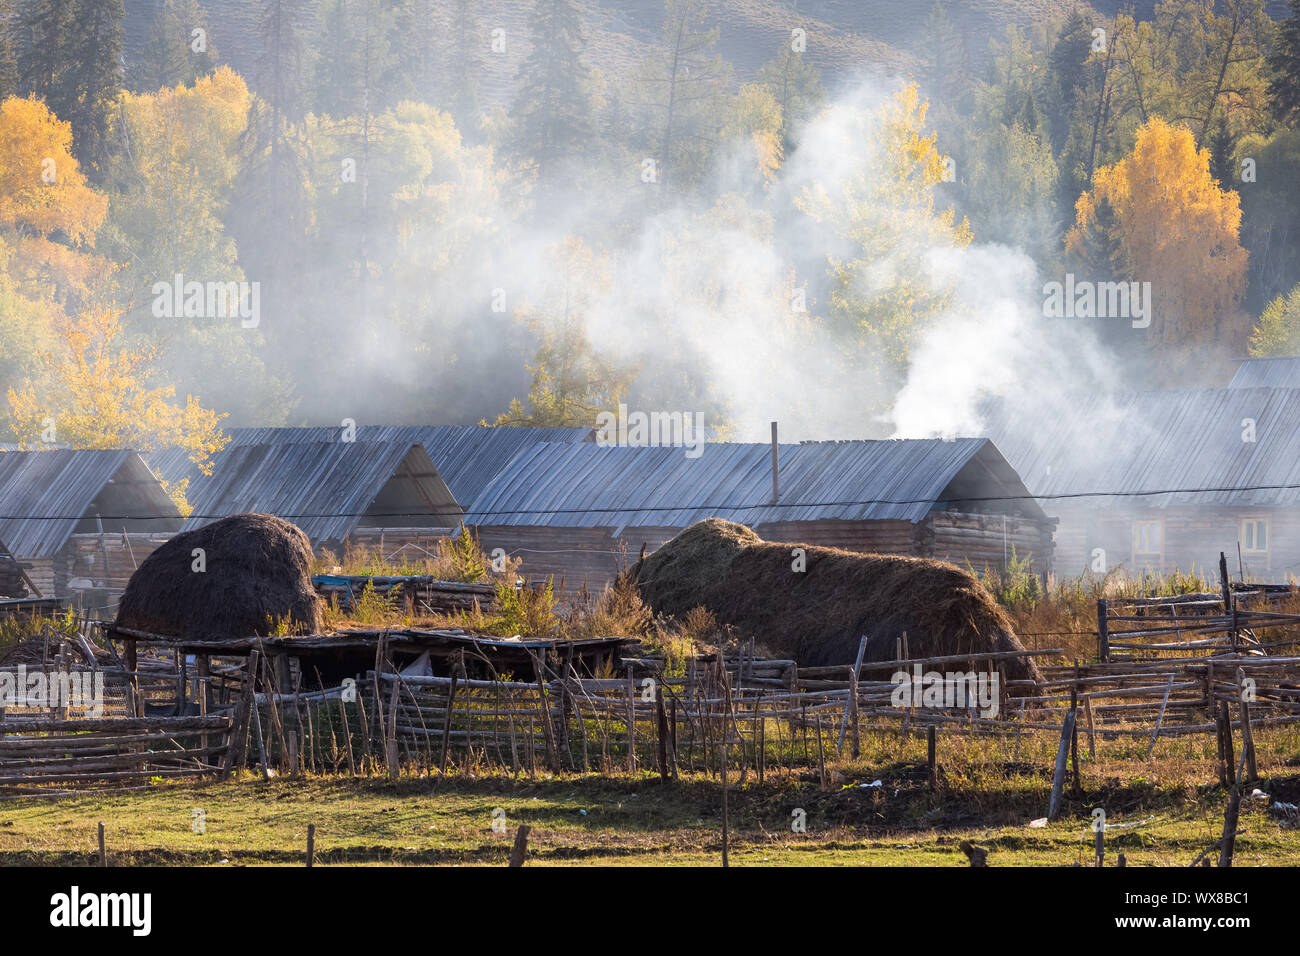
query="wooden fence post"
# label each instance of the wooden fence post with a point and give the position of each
(631, 721)
(1058, 776)
(1103, 632)
(931, 734)
(1247, 735)
(520, 849)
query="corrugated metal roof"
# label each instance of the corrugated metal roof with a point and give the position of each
(585, 485)
(45, 494)
(1140, 447)
(1280, 372)
(467, 456)
(324, 487)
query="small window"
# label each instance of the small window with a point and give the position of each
(1148, 539)
(1254, 535)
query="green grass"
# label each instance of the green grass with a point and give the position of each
(637, 819)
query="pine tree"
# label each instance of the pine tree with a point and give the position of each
(1068, 66)
(947, 67)
(683, 84)
(797, 88)
(413, 75)
(1284, 61)
(1028, 118)
(463, 66)
(1222, 143)
(9, 30)
(1101, 256)
(44, 26)
(171, 57)
(552, 111)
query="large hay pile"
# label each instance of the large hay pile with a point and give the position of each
(258, 573)
(818, 616)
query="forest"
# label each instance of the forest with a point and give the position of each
(361, 222)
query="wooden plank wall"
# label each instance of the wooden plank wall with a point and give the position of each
(1193, 538)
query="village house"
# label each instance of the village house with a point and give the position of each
(1157, 481)
(70, 515)
(579, 513)
(336, 492)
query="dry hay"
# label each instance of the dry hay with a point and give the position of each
(819, 615)
(258, 575)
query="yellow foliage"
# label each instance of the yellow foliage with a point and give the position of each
(887, 209)
(1179, 231)
(42, 189)
(97, 397)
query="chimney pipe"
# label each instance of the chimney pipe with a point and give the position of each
(776, 490)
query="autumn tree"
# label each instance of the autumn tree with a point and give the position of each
(71, 58)
(889, 214)
(182, 149)
(1179, 231)
(753, 129)
(572, 382)
(97, 394)
(796, 87)
(1278, 330)
(49, 214)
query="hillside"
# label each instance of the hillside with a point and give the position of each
(844, 36)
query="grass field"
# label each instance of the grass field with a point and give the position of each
(1162, 813)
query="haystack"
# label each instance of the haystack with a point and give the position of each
(818, 616)
(257, 575)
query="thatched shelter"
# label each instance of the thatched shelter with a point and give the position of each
(256, 575)
(818, 615)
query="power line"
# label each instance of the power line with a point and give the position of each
(625, 509)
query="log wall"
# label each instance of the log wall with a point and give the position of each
(1193, 537)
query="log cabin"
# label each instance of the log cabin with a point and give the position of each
(60, 508)
(388, 492)
(579, 513)
(1152, 482)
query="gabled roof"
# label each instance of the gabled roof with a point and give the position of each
(467, 456)
(45, 496)
(1279, 372)
(327, 488)
(1155, 449)
(586, 485)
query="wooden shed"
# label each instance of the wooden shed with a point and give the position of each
(1158, 481)
(582, 512)
(51, 500)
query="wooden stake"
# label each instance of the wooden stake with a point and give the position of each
(931, 735)
(1229, 840)
(726, 735)
(103, 850)
(631, 721)
(857, 666)
(1247, 735)
(821, 754)
(520, 849)
(1058, 776)
(311, 844)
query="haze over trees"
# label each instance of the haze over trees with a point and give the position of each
(621, 214)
